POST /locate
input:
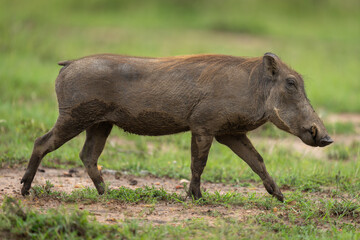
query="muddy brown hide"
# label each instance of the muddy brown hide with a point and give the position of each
(213, 96)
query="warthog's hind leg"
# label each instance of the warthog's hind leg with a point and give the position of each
(96, 136)
(242, 146)
(64, 130)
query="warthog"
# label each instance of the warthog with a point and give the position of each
(213, 96)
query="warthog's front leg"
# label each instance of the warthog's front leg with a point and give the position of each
(242, 146)
(200, 146)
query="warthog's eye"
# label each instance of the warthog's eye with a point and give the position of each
(290, 83)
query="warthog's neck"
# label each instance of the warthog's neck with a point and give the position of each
(257, 94)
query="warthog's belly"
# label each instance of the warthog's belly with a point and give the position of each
(148, 122)
(152, 123)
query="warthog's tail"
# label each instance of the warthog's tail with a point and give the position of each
(65, 63)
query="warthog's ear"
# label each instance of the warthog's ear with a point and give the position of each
(271, 67)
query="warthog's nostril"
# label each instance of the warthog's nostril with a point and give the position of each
(325, 141)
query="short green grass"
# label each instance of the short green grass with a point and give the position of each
(342, 152)
(317, 38)
(342, 205)
(299, 216)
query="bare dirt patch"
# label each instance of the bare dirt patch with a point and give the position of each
(160, 213)
(114, 211)
(69, 180)
(344, 118)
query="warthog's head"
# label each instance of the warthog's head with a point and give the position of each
(287, 105)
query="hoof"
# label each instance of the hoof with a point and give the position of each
(100, 188)
(194, 192)
(25, 190)
(101, 192)
(274, 190)
(195, 196)
(279, 196)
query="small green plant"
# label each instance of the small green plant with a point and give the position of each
(310, 187)
(17, 223)
(42, 190)
(122, 194)
(345, 208)
(273, 222)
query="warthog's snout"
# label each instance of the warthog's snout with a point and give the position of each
(325, 141)
(318, 140)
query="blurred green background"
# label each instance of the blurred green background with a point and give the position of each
(318, 38)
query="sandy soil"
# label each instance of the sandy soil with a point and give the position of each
(113, 211)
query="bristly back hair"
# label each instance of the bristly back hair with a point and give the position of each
(208, 64)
